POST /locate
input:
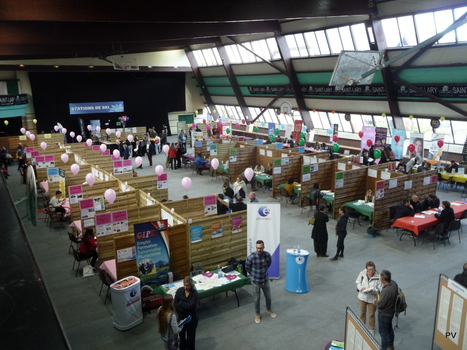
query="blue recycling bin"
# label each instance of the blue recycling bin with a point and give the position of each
(295, 273)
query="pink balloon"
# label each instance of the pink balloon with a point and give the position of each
(28, 133)
(193, 125)
(208, 127)
(249, 174)
(186, 183)
(23, 130)
(107, 131)
(79, 138)
(118, 134)
(32, 137)
(138, 161)
(89, 142)
(64, 131)
(90, 179)
(215, 163)
(130, 138)
(72, 134)
(103, 147)
(98, 128)
(75, 169)
(219, 123)
(159, 170)
(110, 195)
(116, 153)
(89, 127)
(64, 158)
(43, 145)
(166, 149)
(56, 128)
(237, 125)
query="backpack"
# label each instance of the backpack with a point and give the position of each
(238, 265)
(400, 305)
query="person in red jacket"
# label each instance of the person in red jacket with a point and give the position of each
(173, 156)
(88, 246)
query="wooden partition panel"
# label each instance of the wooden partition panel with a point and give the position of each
(354, 188)
(148, 184)
(217, 251)
(395, 195)
(179, 249)
(246, 156)
(204, 148)
(324, 176)
(293, 169)
(186, 208)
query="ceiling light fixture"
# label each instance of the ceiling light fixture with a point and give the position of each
(21, 65)
(56, 66)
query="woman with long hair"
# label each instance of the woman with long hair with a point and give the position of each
(186, 302)
(88, 246)
(167, 318)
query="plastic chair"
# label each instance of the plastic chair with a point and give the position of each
(306, 203)
(77, 259)
(285, 194)
(75, 240)
(444, 182)
(106, 280)
(353, 214)
(453, 226)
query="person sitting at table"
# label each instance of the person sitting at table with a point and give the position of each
(430, 202)
(239, 188)
(289, 187)
(324, 147)
(238, 205)
(365, 157)
(446, 216)
(55, 203)
(317, 146)
(453, 168)
(291, 141)
(401, 166)
(416, 205)
(403, 210)
(425, 166)
(269, 169)
(200, 164)
(411, 163)
(279, 139)
(315, 195)
(369, 198)
(258, 168)
(88, 246)
(371, 155)
(227, 190)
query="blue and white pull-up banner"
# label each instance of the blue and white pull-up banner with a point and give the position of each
(97, 107)
(264, 223)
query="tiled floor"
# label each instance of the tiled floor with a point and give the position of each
(305, 321)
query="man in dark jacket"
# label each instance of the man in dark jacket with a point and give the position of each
(386, 305)
(431, 202)
(404, 209)
(462, 277)
(319, 234)
(446, 216)
(416, 205)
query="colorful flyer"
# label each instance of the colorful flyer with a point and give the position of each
(126, 254)
(379, 189)
(237, 224)
(210, 205)
(75, 193)
(99, 203)
(162, 182)
(96, 148)
(40, 162)
(127, 166)
(106, 152)
(196, 233)
(50, 161)
(120, 221)
(87, 208)
(152, 248)
(52, 175)
(103, 224)
(216, 229)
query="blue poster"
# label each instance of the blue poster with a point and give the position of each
(152, 248)
(398, 146)
(271, 128)
(196, 233)
(96, 107)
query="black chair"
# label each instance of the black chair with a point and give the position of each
(392, 213)
(453, 226)
(444, 182)
(106, 280)
(285, 194)
(353, 214)
(77, 259)
(437, 232)
(306, 203)
(75, 240)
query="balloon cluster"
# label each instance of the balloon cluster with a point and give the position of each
(124, 118)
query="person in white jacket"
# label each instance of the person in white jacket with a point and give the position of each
(368, 285)
(239, 188)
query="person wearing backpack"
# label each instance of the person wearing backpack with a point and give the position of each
(368, 286)
(386, 305)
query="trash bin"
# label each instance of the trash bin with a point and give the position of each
(295, 272)
(126, 302)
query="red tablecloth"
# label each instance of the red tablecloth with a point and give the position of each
(416, 225)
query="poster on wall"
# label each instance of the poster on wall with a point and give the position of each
(119, 221)
(99, 203)
(103, 224)
(368, 134)
(381, 135)
(213, 150)
(61, 181)
(237, 224)
(196, 233)
(417, 141)
(210, 205)
(216, 229)
(126, 254)
(162, 182)
(86, 207)
(75, 193)
(398, 146)
(52, 175)
(340, 179)
(379, 189)
(435, 152)
(297, 130)
(118, 167)
(152, 248)
(271, 129)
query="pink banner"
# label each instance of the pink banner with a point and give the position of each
(35, 154)
(209, 200)
(127, 162)
(106, 152)
(96, 148)
(75, 189)
(86, 204)
(115, 158)
(103, 219)
(29, 149)
(162, 177)
(40, 159)
(118, 164)
(50, 158)
(120, 216)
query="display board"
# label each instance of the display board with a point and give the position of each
(450, 332)
(357, 335)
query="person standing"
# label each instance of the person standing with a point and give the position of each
(368, 285)
(186, 301)
(167, 319)
(173, 156)
(462, 277)
(319, 234)
(341, 232)
(180, 152)
(151, 151)
(182, 139)
(257, 265)
(164, 135)
(386, 305)
(157, 143)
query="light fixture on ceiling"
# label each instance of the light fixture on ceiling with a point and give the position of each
(91, 67)
(149, 66)
(22, 65)
(56, 66)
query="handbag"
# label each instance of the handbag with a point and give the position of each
(312, 221)
(172, 342)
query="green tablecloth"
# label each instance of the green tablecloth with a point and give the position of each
(361, 208)
(329, 199)
(234, 284)
(263, 178)
(222, 169)
(295, 190)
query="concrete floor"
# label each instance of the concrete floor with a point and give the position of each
(305, 321)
